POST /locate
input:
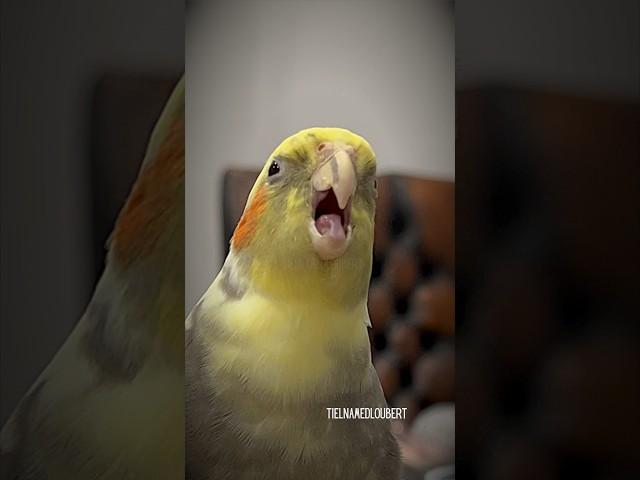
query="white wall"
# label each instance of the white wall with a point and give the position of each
(258, 71)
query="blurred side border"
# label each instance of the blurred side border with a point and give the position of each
(547, 235)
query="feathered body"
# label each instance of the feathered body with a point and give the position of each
(281, 334)
(110, 404)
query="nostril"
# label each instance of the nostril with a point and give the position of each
(321, 146)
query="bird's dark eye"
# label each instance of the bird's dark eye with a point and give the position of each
(274, 168)
(375, 183)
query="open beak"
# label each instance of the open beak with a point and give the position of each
(333, 185)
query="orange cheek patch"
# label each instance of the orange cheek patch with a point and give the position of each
(153, 200)
(248, 223)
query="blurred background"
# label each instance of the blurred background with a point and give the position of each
(547, 235)
(259, 71)
(82, 85)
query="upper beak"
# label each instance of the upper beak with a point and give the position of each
(338, 173)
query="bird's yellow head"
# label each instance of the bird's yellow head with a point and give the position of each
(307, 229)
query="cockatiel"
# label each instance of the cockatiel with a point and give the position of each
(110, 405)
(281, 334)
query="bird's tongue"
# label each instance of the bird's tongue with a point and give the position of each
(331, 226)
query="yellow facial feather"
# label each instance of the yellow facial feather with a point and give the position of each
(299, 317)
(282, 260)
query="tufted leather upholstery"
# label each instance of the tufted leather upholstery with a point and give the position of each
(411, 298)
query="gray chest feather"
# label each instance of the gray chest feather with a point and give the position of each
(229, 441)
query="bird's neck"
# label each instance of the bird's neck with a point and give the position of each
(288, 349)
(338, 285)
